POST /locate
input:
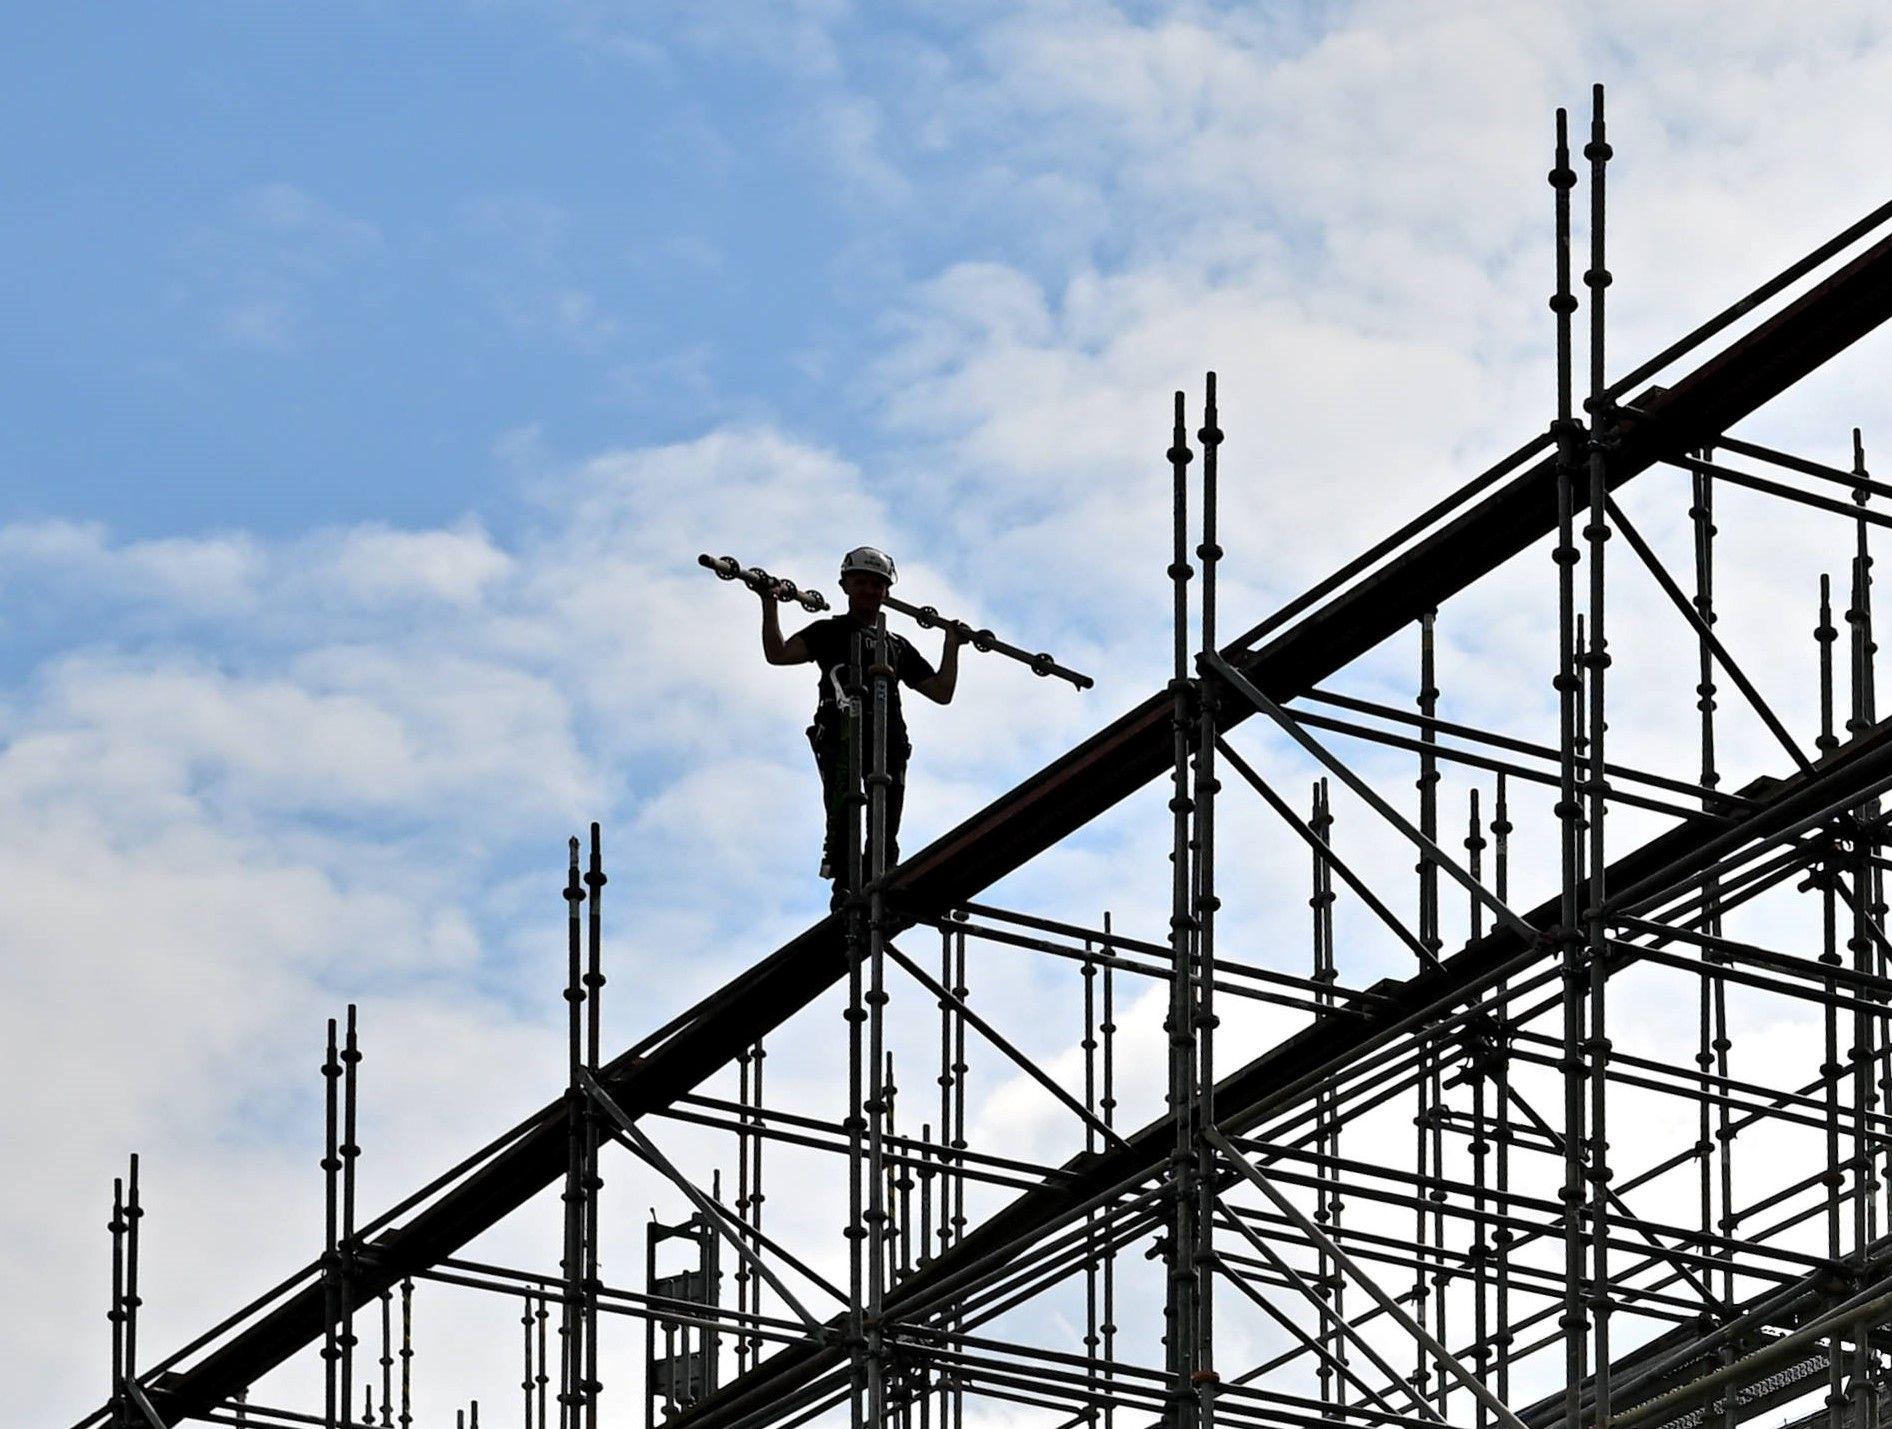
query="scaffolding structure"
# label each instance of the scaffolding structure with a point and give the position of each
(1263, 1251)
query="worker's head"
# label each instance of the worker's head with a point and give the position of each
(866, 575)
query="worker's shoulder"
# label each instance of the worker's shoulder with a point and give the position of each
(823, 626)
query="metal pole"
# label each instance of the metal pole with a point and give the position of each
(961, 1069)
(525, 1374)
(406, 1416)
(1328, 1201)
(1181, 1300)
(1479, 1147)
(744, 1146)
(134, 1213)
(571, 1380)
(1092, 1267)
(1501, 1089)
(117, 1313)
(387, 1361)
(351, 1152)
(1426, 1088)
(1569, 813)
(879, 780)
(1864, 1391)
(1830, 1070)
(1207, 902)
(758, 1055)
(1597, 1046)
(592, 1181)
(331, 1255)
(856, 1015)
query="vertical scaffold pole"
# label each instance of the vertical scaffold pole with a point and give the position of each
(331, 1213)
(116, 1316)
(1865, 1051)
(1701, 514)
(1569, 813)
(134, 1213)
(525, 1374)
(1871, 877)
(1092, 1269)
(1712, 1017)
(1717, 1127)
(593, 1181)
(1428, 1230)
(899, 1186)
(1328, 1198)
(750, 1196)
(879, 781)
(757, 1193)
(1501, 1093)
(571, 1372)
(1480, 1146)
(1207, 902)
(406, 1416)
(387, 1360)
(351, 1153)
(1181, 1300)
(1597, 280)
(1830, 1070)
(952, 1134)
(745, 1144)
(943, 1233)
(856, 1016)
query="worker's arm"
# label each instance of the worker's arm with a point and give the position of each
(938, 687)
(777, 651)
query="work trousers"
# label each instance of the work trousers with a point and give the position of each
(828, 737)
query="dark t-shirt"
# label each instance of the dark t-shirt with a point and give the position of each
(831, 642)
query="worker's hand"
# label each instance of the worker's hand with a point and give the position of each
(954, 638)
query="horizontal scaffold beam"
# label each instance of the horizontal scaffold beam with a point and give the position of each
(1057, 801)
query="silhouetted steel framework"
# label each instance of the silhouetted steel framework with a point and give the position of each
(1244, 1186)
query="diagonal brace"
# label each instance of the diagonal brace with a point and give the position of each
(1558, 1144)
(1326, 1311)
(135, 1392)
(1307, 1342)
(711, 1211)
(1248, 690)
(1249, 1172)
(1704, 631)
(1326, 853)
(993, 1036)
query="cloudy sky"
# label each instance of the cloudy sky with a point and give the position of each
(377, 372)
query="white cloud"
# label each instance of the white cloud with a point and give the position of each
(207, 573)
(374, 565)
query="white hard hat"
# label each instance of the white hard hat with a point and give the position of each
(867, 558)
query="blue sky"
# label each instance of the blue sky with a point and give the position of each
(480, 222)
(376, 372)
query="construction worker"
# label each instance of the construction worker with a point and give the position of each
(866, 576)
